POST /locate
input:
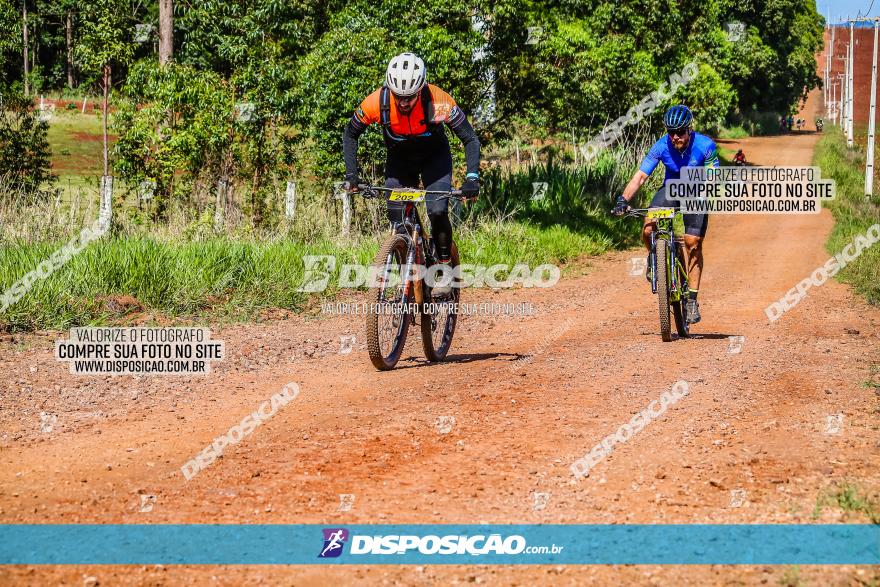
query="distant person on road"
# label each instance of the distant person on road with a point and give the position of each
(819, 124)
(790, 122)
(782, 123)
(739, 158)
(680, 147)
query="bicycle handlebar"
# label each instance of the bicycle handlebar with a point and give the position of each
(369, 191)
(642, 212)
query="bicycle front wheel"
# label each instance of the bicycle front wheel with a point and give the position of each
(663, 288)
(389, 319)
(679, 308)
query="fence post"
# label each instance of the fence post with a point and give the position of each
(105, 211)
(342, 194)
(74, 205)
(220, 205)
(346, 214)
(290, 202)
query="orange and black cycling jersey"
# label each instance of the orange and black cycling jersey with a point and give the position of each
(412, 124)
(410, 135)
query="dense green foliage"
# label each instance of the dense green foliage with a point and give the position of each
(25, 166)
(10, 41)
(105, 36)
(301, 67)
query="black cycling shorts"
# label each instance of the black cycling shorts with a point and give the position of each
(434, 170)
(694, 224)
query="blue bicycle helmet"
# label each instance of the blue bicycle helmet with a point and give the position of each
(678, 117)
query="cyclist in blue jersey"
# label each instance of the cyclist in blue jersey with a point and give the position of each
(680, 147)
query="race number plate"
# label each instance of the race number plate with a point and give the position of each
(661, 213)
(409, 196)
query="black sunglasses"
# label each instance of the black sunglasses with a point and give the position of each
(679, 132)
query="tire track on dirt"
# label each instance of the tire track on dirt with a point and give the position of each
(753, 421)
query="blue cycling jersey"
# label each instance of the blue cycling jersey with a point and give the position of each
(700, 152)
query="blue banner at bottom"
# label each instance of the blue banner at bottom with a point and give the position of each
(299, 544)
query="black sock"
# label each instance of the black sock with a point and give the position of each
(441, 230)
(692, 294)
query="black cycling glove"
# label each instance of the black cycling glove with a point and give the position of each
(470, 188)
(351, 183)
(620, 206)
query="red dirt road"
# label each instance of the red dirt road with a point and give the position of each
(750, 443)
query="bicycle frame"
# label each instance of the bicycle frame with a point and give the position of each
(412, 227)
(412, 230)
(664, 229)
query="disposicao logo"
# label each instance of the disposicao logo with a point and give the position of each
(334, 540)
(408, 544)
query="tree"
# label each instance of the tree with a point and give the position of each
(106, 31)
(166, 31)
(175, 127)
(25, 157)
(10, 37)
(348, 62)
(25, 45)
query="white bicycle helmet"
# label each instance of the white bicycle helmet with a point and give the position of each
(405, 75)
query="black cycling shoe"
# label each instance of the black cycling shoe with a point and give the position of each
(693, 311)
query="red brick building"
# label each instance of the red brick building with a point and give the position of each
(863, 37)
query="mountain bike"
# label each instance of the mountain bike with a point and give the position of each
(400, 292)
(667, 267)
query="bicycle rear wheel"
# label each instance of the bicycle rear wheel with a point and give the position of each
(388, 321)
(663, 288)
(438, 322)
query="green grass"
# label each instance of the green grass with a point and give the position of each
(518, 242)
(76, 142)
(226, 280)
(847, 497)
(870, 382)
(791, 577)
(219, 278)
(853, 213)
(750, 124)
(733, 132)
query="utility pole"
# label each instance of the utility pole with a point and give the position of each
(869, 164)
(831, 54)
(849, 87)
(828, 53)
(833, 109)
(844, 77)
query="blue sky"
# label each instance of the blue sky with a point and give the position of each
(843, 8)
